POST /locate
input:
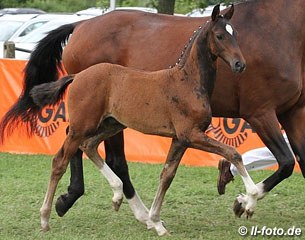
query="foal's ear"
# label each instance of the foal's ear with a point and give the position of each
(228, 15)
(215, 13)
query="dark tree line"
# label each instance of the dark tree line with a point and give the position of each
(168, 6)
(163, 6)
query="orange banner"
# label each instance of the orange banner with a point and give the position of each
(50, 131)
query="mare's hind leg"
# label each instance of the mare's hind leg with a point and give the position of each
(59, 166)
(115, 158)
(293, 121)
(174, 156)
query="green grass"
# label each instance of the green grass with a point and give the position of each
(192, 207)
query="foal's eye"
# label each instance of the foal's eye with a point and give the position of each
(219, 37)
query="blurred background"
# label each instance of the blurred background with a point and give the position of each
(180, 6)
(25, 22)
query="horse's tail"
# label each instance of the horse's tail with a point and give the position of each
(42, 67)
(50, 93)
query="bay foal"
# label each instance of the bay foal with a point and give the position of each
(105, 98)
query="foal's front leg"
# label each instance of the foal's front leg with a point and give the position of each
(201, 141)
(174, 156)
(115, 158)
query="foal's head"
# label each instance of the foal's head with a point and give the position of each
(222, 39)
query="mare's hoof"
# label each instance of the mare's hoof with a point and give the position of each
(238, 208)
(116, 204)
(60, 205)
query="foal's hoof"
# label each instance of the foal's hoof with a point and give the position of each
(149, 224)
(60, 205)
(116, 204)
(238, 208)
(160, 229)
(45, 228)
(249, 213)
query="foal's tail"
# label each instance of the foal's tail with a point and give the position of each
(42, 67)
(50, 93)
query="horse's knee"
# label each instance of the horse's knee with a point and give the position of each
(234, 157)
(286, 168)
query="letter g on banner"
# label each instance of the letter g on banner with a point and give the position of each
(231, 131)
(49, 120)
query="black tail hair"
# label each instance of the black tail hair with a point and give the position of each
(42, 68)
(50, 93)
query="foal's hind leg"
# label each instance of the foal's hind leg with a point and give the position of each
(115, 158)
(90, 148)
(59, 166)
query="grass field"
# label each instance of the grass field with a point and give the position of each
(192, 207)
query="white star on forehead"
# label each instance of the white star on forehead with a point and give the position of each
(229, 29)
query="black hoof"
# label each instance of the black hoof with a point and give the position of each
(249, 214)
(61, 206)
(238, 208)
(116, 205)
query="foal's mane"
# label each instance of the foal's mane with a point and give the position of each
(186, 52)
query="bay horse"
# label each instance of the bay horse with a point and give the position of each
(272, 38)
(172, 103)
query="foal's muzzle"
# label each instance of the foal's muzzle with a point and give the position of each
(238, 66)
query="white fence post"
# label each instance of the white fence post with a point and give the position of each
(9, 49)
(112, 5)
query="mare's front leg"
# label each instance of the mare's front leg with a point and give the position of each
(174, 156)
(115, 158)
(267, 128)
(59, 166)
(76, 188)
(201, 141)
(293, 122)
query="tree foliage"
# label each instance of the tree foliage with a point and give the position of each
(181, 6)
(166, 6)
